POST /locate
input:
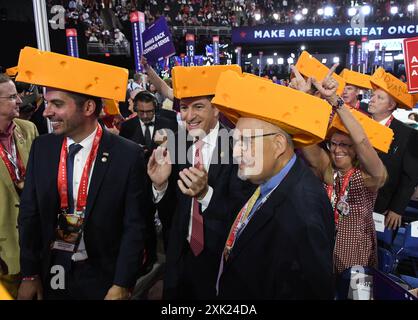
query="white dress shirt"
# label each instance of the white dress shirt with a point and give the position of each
(208, 147)
(80, 160)
(383, 122)
(151, 128)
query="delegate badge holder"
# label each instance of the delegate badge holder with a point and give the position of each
(68, 232)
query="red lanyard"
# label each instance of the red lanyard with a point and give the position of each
(62, 174)
(16, 168)
(387, 124)
(330, 191)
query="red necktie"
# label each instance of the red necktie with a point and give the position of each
(196, 239)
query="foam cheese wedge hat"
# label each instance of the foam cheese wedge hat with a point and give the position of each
(394, 87)
(4, 295)
(198, 81)
(309, 66)
(303, 116)
(11, 72)
(379, 135)
(111, 107)
(63, 72)
(356, 79)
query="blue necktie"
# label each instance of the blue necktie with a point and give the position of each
(72, 151)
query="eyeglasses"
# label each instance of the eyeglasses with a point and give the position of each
(333, 145)
(245, 141)
(11, 97)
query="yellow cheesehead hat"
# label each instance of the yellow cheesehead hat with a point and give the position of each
(198, 81)
(356, 79)
(111, 107)
(308, 66)
(4, 295)
(303, 116)
(379, 135)
(11, 72)
(72, 74)
(394, 87)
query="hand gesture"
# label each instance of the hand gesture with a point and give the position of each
(299, 82)
(159, 167)
(327, 87)
(193, 182)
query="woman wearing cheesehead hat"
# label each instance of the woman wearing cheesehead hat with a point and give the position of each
(352, 173)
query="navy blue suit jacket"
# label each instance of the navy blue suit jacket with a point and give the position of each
(116, 207)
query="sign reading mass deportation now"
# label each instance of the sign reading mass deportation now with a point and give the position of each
(264, 35)
(158, 43)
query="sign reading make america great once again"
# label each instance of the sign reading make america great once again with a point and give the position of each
(278, 34)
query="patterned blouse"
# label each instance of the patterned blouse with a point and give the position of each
(356, 242)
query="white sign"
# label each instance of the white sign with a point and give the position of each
(379, 222)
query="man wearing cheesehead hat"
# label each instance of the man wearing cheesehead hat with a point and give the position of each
(354, 83)
(195, 193)
(401, 161)
(81, 220)
(281, 243)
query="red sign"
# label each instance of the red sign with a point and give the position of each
(134, 16)
(410, 50)
(71, 32)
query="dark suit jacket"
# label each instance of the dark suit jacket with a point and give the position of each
(188, 276)
(402, 166)
(131, 129)
(114, 227)
(286, 250)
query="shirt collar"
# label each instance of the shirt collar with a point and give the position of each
(212, 137)
(9, 130)
(274, 181)
(87, 143)
(383, 122)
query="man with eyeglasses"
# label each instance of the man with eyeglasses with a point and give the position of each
(143, 128)
(16, 138)
(281, 241)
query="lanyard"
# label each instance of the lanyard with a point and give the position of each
(387, 124)
(244, 216)
(62, 174)
(13, 163)
(343, 191)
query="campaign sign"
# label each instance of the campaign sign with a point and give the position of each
(72, 45)
(158, 43)
(352, 44)
(216, 50)
(190, 45)
(137, 19)
(410, 50)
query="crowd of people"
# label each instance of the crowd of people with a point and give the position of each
(277, 208)
(236, 13)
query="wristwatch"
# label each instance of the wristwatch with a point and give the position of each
(338, 104)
